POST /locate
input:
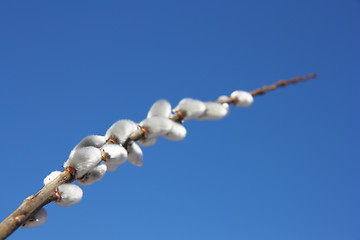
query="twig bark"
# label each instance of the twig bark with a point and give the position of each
(282, 83)
(47, 194)
(33, 203)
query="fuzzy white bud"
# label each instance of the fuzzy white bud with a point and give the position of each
(135, 154)
(90, 141)
(121, 130)
(37, 219)
(115, 156)
(226, 106)
(242, 98)
(83, 160)
(224, 98)
(177, 132)
(93, 175)
(70, 194)
(49, 178)
(111, 167)
(160, 108)
(156, 126)
(146, 142)
(214, 111)
(191, 108)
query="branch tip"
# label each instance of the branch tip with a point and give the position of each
(282, 83)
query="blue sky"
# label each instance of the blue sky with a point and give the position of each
(285, 168)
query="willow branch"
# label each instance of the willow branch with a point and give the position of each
(48, 193)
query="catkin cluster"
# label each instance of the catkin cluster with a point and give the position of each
(94, 155)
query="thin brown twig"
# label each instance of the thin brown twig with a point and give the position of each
(48, 193)
(282, 83)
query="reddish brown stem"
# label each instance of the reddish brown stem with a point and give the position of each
(281, 83)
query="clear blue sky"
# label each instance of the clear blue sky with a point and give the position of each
(285, 168)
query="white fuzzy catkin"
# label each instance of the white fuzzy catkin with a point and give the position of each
(135, 154)
(111, 167)
(70, 194)
(223, 98)
(38, 219)
(160, 108)
(121, 130)
(146, 142)
(191, 108)
(226, 106)
(93, 175)
(156, 126)
(92, 140)
(177, 132)
(83, 160)
(49, 178)
(214, 111)
(116, 155)
(242, 98)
